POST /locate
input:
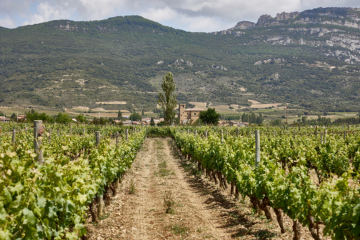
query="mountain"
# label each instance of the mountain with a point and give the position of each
(309, 59)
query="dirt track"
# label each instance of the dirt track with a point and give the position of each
(200, 210)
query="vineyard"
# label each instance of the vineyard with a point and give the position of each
(54, 177)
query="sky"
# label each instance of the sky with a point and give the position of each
(188, 15)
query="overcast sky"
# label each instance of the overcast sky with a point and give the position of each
(189, 15)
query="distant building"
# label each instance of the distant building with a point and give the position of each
(238, 124)
(189, 115)
(21, 117)
(4, 119)
(127, 123)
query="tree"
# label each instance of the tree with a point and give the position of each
(152, 123)
(63, 118)
(119, 115)
(167, 100)
(210, 116)
(33, 115)
(80, 118)
(135, 117)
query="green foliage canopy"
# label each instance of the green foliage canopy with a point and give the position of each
(135, 117)
(210, 116)
(167, 100)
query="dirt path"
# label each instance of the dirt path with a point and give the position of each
(199, 209)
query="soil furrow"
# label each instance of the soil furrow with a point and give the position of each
(163, 196)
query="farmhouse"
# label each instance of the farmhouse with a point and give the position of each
(189, 115)
(4, 119)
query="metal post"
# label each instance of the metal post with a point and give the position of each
(257, 148)
(188, 131)
(206, 133)
(37, 141)
(126, 132)
(222, 135)
(97, 134)
(195, 132)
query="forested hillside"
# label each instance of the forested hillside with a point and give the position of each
(309, 59)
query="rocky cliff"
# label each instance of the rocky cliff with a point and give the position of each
(335, 28)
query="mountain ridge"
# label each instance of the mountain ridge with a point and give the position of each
(65, 64)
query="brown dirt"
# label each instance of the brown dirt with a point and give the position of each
(201, 209)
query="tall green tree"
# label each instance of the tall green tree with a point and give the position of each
(119, 115)
(135, 117)
(210, 116)
(167, 99)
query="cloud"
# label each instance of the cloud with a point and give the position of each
(47, 12)
(7, 22)
(190, 15)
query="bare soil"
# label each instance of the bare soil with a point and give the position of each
(199, 208)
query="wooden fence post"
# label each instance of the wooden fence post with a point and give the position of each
(257, 148)
(101, 205)
(126, 133)
(321, 138)
(37, 141)
(97, 135)
(117, 139)
(14, 136)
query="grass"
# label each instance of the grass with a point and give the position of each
(178, 229)
(169, 202)
(132, 187)
(163, 170)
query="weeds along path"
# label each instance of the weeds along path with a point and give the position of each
(139, 210)
(164, 196)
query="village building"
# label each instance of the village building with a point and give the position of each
(127, 123)
(4, 119)
(189, 115)
(238, 124)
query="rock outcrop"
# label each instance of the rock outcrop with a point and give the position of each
(243, 25)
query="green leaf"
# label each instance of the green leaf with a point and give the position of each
(5, 235)
(29, 215)
(7, 195)
(41, 202)
(82, 198)
(18, 187)
(72, 236)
